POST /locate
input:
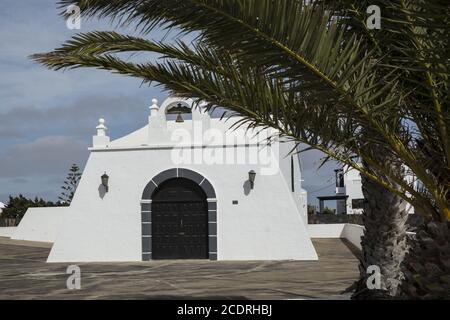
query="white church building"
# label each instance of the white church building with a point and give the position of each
(185, 186)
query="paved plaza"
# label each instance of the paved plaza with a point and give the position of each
(24, 274)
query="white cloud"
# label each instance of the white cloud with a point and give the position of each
(38, 168)
(46, 155)
(77, 118)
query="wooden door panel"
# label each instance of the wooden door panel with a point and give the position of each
(179, 223)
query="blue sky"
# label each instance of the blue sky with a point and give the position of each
(47, 118)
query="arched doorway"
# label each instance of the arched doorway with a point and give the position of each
(179, 220)
(162, 186)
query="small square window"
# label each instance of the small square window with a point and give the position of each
(357, 203)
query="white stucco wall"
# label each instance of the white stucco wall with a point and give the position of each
(268, 223)
(326, 230)
(299, 195)
(40, 224)
(7, 231)
(351, 232)
(353, 188)
(264, 225)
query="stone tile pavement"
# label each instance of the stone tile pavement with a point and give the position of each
(24, 274)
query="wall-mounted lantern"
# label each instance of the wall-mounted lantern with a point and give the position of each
(105, 179)
(251, 178)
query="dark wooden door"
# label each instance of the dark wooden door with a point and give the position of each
(179, 221)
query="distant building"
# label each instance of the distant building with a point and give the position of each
(348, 183)
(349, 196)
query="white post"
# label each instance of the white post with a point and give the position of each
(101, 139)
(154, 108)
(157, 130)
(101, 128)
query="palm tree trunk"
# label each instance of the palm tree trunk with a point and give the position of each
(427, 265)
(384, 243)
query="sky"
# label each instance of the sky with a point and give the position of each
(47, 118)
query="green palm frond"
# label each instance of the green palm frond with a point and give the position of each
(414, 39)
(301, 43)
(220, 79)
(393, 81)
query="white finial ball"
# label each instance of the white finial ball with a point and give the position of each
(154, 101)
(101, 121)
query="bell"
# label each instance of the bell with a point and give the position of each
(179, 118)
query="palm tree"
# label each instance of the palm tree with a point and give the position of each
(416, 42)
(315, 73)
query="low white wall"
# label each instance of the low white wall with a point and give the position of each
(40, 224)
(7, 231)
(351, 232)
(326, 230)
